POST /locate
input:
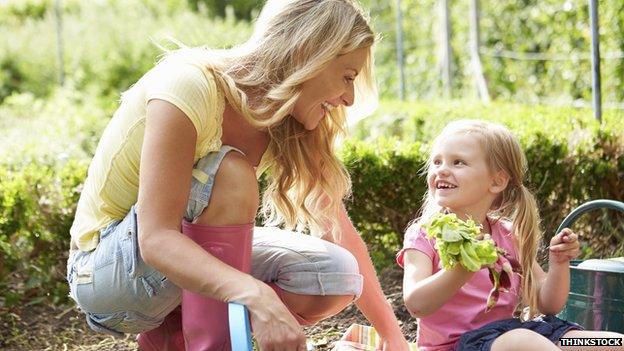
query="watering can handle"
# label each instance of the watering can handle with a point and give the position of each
(588, 206)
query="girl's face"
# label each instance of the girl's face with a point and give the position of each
(459, 178)
(332, 87)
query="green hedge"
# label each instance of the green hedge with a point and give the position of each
(422, 120)
(37, 206)
(568, 166)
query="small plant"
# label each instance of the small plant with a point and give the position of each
(461, 242)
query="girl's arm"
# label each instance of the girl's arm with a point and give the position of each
(554, 286)
(372, 302)
(425, 293)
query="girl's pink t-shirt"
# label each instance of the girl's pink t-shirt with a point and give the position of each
(466, 310)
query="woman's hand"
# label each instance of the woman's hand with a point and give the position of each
(274, 328)
(563, 247)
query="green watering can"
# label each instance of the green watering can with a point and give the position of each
(596, 299)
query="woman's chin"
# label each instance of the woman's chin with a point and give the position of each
(312, 125)
(309, 123)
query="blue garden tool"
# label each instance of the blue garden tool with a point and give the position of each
(240, 331)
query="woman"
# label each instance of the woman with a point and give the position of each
(166, 215)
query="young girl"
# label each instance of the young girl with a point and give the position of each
(476, 170)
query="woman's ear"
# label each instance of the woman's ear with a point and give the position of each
(499, 183)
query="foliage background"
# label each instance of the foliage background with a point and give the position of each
(100, 29)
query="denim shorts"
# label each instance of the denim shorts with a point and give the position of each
(119, 293)
(481, 339)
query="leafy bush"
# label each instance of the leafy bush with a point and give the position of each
(244, 9)
(37, 205)
(16, 10)
(422, 120)
(105, 48)
(65, 126)
(387, 192)
(45, 148)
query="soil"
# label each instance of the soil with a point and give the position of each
(44, 327)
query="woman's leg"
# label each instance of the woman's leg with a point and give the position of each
(593, 334)
(223, 195)
(314, 278)
(222, 210)
(310, 309)
(233, 197)
(522, 340)
(115, 289)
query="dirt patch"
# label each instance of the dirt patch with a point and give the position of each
(326, 332)
(41, 327)
(54, 328)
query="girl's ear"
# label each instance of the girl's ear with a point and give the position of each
(500, 180)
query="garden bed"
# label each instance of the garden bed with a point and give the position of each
(44, 327)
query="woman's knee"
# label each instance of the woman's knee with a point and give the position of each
(339, 272)
(235, 196)
(304, 265)
(342, 260)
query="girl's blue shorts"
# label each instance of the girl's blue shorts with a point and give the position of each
(481, 339)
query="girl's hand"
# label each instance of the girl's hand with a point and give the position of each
(563, 247)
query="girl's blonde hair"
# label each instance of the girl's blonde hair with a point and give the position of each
(516, 203)
(293, 41)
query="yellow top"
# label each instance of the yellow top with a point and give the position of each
(112, 183)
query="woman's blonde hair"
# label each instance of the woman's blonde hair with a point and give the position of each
(516, 203)
(292, 42)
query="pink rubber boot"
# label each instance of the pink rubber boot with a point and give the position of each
(205, 320)
(166, 337)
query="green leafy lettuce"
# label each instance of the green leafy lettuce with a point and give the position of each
(461, 242)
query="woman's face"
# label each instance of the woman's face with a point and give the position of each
(331, 88)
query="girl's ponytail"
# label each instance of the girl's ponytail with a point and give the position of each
(528, 234)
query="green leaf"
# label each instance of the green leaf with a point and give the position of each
(470, 263)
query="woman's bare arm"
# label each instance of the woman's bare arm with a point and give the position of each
(372, 302)
(165, 178)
